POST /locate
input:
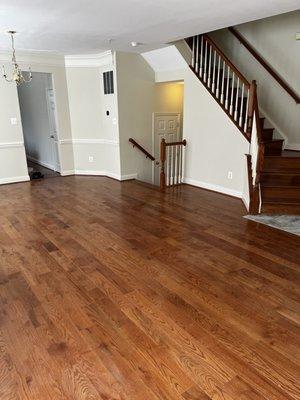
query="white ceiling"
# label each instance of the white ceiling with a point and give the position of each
(87, 26)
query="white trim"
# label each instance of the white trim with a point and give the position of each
(65, 141)
(67, 172)
(246, 203)
(105, 173)
(292, 146)
(89, 141)
(34, 58)
(14, 179)
(215, 188)
(274, 125)
(95, 141)
(89, 60)
(11, 144)
(42, 163)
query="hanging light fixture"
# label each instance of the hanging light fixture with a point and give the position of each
(17, 75)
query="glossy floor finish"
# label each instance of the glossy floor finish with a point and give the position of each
(115, 291)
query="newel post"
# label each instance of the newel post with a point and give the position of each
(162, 161)
(251, 106)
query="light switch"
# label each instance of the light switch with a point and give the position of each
(13, 121)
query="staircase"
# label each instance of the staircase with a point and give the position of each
(274, 174)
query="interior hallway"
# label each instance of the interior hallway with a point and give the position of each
(117, 291)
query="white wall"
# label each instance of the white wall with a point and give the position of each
(94, 134)
(274, 39)
(136, 81)
(35, 118)
(214, 145)
(13, 165)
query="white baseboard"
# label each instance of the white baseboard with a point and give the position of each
(14, 179)
(67, 172)
(42, 163)
(105, 173)
(292, 146)
(246, 203)
(215, 188)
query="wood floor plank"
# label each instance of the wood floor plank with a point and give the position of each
(116, 291)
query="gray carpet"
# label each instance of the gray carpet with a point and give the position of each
(288, 223)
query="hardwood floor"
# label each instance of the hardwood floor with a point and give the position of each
(48, 173)
(115, 291)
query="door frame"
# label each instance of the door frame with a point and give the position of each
(155, 114)
(55, 117)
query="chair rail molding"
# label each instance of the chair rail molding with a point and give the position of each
(90, 141)
(9, 145)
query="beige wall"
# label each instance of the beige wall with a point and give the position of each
(13, 165)
(274, 39)
(168, 97)
(214, 145)
(135, 81)
(94, 133)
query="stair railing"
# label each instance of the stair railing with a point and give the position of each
(266, 65)
(223, 80)
(138, 146)
(257, 151)
(172, 157)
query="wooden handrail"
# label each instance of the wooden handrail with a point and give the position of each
(138, 146)
(266, 65)
(226, 59)
(176, 143)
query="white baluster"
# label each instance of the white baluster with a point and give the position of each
(209, 67)
(232, 91)
(174, 164)
(246, 115)
(241, 107)
(214, 72)
(197, 54)
(223, 78)
(205, 62)
(236, 100)
(201, 59)
(179, 164)
(227, 90)
(218, 79)
(193, 53)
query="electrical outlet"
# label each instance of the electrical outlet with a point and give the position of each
(14, 121)
(91, 159)
(229, 174)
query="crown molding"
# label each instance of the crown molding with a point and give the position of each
(89, 60)
(34, 58)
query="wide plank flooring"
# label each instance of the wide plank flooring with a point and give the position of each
(115, 291)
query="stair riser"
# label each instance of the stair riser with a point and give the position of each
(273, 148)
(280, 180)
(281, 194)
(282, 164)
(291, 209)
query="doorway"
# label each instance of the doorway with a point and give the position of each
(40, 129)
(167, 120)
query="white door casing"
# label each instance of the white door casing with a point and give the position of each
(165, 126)
(53, 134)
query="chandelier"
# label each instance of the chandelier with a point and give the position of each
(17, 75)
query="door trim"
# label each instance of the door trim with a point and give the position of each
(58, 143)
(156, 114)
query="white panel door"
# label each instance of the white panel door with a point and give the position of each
(166, 126)
(53, 137)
